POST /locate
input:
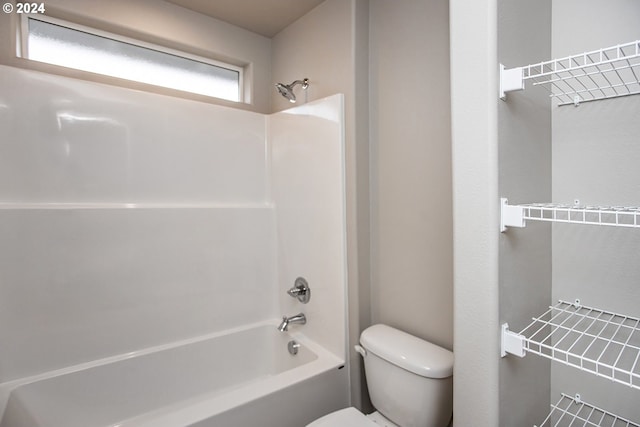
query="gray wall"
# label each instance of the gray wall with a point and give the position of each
(524, 135)
(595, 159)
(411, 223)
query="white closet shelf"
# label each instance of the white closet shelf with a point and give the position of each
(616, 216)
(600, 342)
(573, 411)
(601, 74)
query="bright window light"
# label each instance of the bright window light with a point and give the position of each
(60, 45)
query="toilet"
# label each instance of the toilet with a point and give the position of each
(410, 382)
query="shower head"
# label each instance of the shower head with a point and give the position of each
(287, 90)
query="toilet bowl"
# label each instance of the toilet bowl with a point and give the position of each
(351, 417)
(410, 382)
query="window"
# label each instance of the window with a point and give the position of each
(55, 42)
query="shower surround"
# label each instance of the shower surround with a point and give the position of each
(131, 220)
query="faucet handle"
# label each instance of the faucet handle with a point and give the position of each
(300, 290)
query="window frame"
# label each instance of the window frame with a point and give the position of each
(22, 51)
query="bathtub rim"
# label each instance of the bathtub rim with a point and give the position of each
(325, 360)
(198, 409)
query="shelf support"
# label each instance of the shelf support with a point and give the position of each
(511, 343)
(510, 80)
(510, 216)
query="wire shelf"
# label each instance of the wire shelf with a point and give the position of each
(600, 342)
(573, 411)
(601, 74)
(615, 216)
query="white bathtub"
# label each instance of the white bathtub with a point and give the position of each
(240, 378)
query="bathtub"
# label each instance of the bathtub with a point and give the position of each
(240, 378)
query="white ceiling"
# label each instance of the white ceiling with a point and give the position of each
(265, 17)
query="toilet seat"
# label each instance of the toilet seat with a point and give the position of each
(350, 417)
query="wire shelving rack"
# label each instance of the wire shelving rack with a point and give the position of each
(600, 74)
(600, 342)
(573, 411)
(596, 341)
(615, 216)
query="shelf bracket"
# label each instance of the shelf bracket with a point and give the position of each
(511, 343)
(510, 216)
(510, 80)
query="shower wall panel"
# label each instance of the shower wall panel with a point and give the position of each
(127, 220)
(80, 285)
(65, 140)
(307, 158)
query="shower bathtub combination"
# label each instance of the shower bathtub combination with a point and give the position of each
(147, 244)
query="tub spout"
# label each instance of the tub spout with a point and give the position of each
(298, 318)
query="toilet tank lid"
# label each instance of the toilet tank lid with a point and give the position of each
(408, 352)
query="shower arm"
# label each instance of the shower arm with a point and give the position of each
(304, 83)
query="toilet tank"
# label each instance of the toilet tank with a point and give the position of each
(410, 381)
